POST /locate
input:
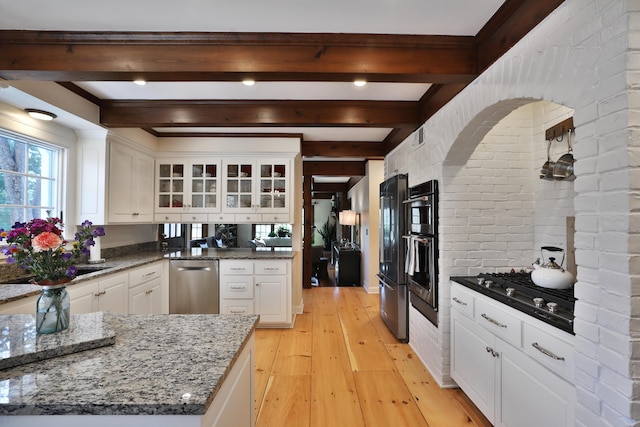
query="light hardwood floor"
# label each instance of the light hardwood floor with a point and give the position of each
(340, 366)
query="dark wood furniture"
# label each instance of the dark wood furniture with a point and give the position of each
(347, 264)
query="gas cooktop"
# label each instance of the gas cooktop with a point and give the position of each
(517, 290)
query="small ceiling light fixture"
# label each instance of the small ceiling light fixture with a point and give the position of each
(360, 82)
(140, 82)
(248, 82)
(40, 114)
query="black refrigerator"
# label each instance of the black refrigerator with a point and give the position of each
(394, 305)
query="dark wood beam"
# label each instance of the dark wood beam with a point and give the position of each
(510, 24)
(168, 56)
(249, 113)
(330, 187)
(322, 196)
(331, 168)
(367, 149)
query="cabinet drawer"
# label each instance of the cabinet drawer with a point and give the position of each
(193, 217)
(500, 322)
(248, 217)
(279, 218)
(236, 267)
(144, 274)
(222, 218)
(236, 307)
(550, 350)
(236, 287)
(270, 267)
(167, 217)
(462, 300)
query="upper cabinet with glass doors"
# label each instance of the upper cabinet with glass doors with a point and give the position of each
(187, 187)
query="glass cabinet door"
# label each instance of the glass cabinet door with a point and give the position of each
(204, 185)
(273, 186)
(239, 185)
(171, 185)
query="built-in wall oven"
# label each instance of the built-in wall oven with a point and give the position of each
(421, 262)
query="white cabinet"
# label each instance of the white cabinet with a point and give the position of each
(493, 359)
(108, 294)
(146, 290)
(187, 190)
(130, 185)
(257, 287)
(21, 306)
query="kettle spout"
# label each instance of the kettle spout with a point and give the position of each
(536, 264)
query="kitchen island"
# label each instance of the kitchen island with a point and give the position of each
(163, 370)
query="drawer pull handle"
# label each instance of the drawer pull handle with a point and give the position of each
(149, 291)
(494, 321)
(546, 352)
(236, 311)
(149, 274)
(458, 301)
(271, 268)
(237, 268)
(241, 288)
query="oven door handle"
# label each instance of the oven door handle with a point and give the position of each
(417, 199)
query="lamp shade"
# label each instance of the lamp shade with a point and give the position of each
(347, 217)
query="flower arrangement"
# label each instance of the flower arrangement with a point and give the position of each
(39, 247)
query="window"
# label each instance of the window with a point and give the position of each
(30, 184)
(172, 230)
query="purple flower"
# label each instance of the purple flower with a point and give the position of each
(10, 260)
(67, 256)
(72, 271)
(98, 232)
(86, 223)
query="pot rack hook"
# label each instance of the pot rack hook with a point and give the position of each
(561, 135)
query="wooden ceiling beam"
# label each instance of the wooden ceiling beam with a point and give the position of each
(366, 149)
(334, 168)
(386, 114)
(168, 56)
(329, 187)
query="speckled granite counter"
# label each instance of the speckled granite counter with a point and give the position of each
(159, 365)
(10, 293)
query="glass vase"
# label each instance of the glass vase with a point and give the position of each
(52, 310)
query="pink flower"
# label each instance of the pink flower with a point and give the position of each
(45, 241)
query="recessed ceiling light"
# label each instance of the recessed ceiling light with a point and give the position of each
(140, 82)
(40, 114)
(360, 82)
(248, 82)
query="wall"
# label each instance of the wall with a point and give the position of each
(584, 57)
(365, 200)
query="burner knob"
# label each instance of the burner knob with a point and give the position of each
(552, 306)
(538, 302)
(510, 292)
(480, 281)
(488, 283)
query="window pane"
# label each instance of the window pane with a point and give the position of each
(41, 161)
(41, 192)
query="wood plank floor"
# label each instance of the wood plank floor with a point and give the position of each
(340, 366)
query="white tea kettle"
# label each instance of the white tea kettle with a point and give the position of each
(550, 274)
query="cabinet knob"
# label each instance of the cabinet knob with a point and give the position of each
(149, 291)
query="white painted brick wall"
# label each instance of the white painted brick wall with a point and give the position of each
(585, 57)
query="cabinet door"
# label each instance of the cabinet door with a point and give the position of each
(121, 178)
(22, 306)
(530, 394)
(271, 298)
(239, 175)
(204, 186)
(273, 191)
(142, 198)
(113, 294)
(170, 186)
(473, 361)
(84, 297)
(139, 302)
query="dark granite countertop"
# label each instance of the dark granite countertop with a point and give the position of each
(160, 364)
(13, 292)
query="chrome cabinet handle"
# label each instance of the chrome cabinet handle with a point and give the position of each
(149, 274)
(238, 287)
(459, 301)
(149, 291)
(546, 352)
(492, 351)
(494, 321)
(100, 293)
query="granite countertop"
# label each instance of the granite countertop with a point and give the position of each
(160, 364)
(13, 292)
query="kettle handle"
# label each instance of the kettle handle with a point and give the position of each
(553, 249)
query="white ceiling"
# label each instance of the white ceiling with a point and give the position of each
(420, 17)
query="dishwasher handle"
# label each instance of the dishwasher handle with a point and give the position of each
(194, 268)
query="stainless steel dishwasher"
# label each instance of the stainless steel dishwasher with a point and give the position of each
(194, 287)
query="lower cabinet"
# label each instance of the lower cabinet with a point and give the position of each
(21, 306)
(146, 288)
(257, 287)
(508, 385)
(108, 294)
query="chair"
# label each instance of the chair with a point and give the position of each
(316, 255)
